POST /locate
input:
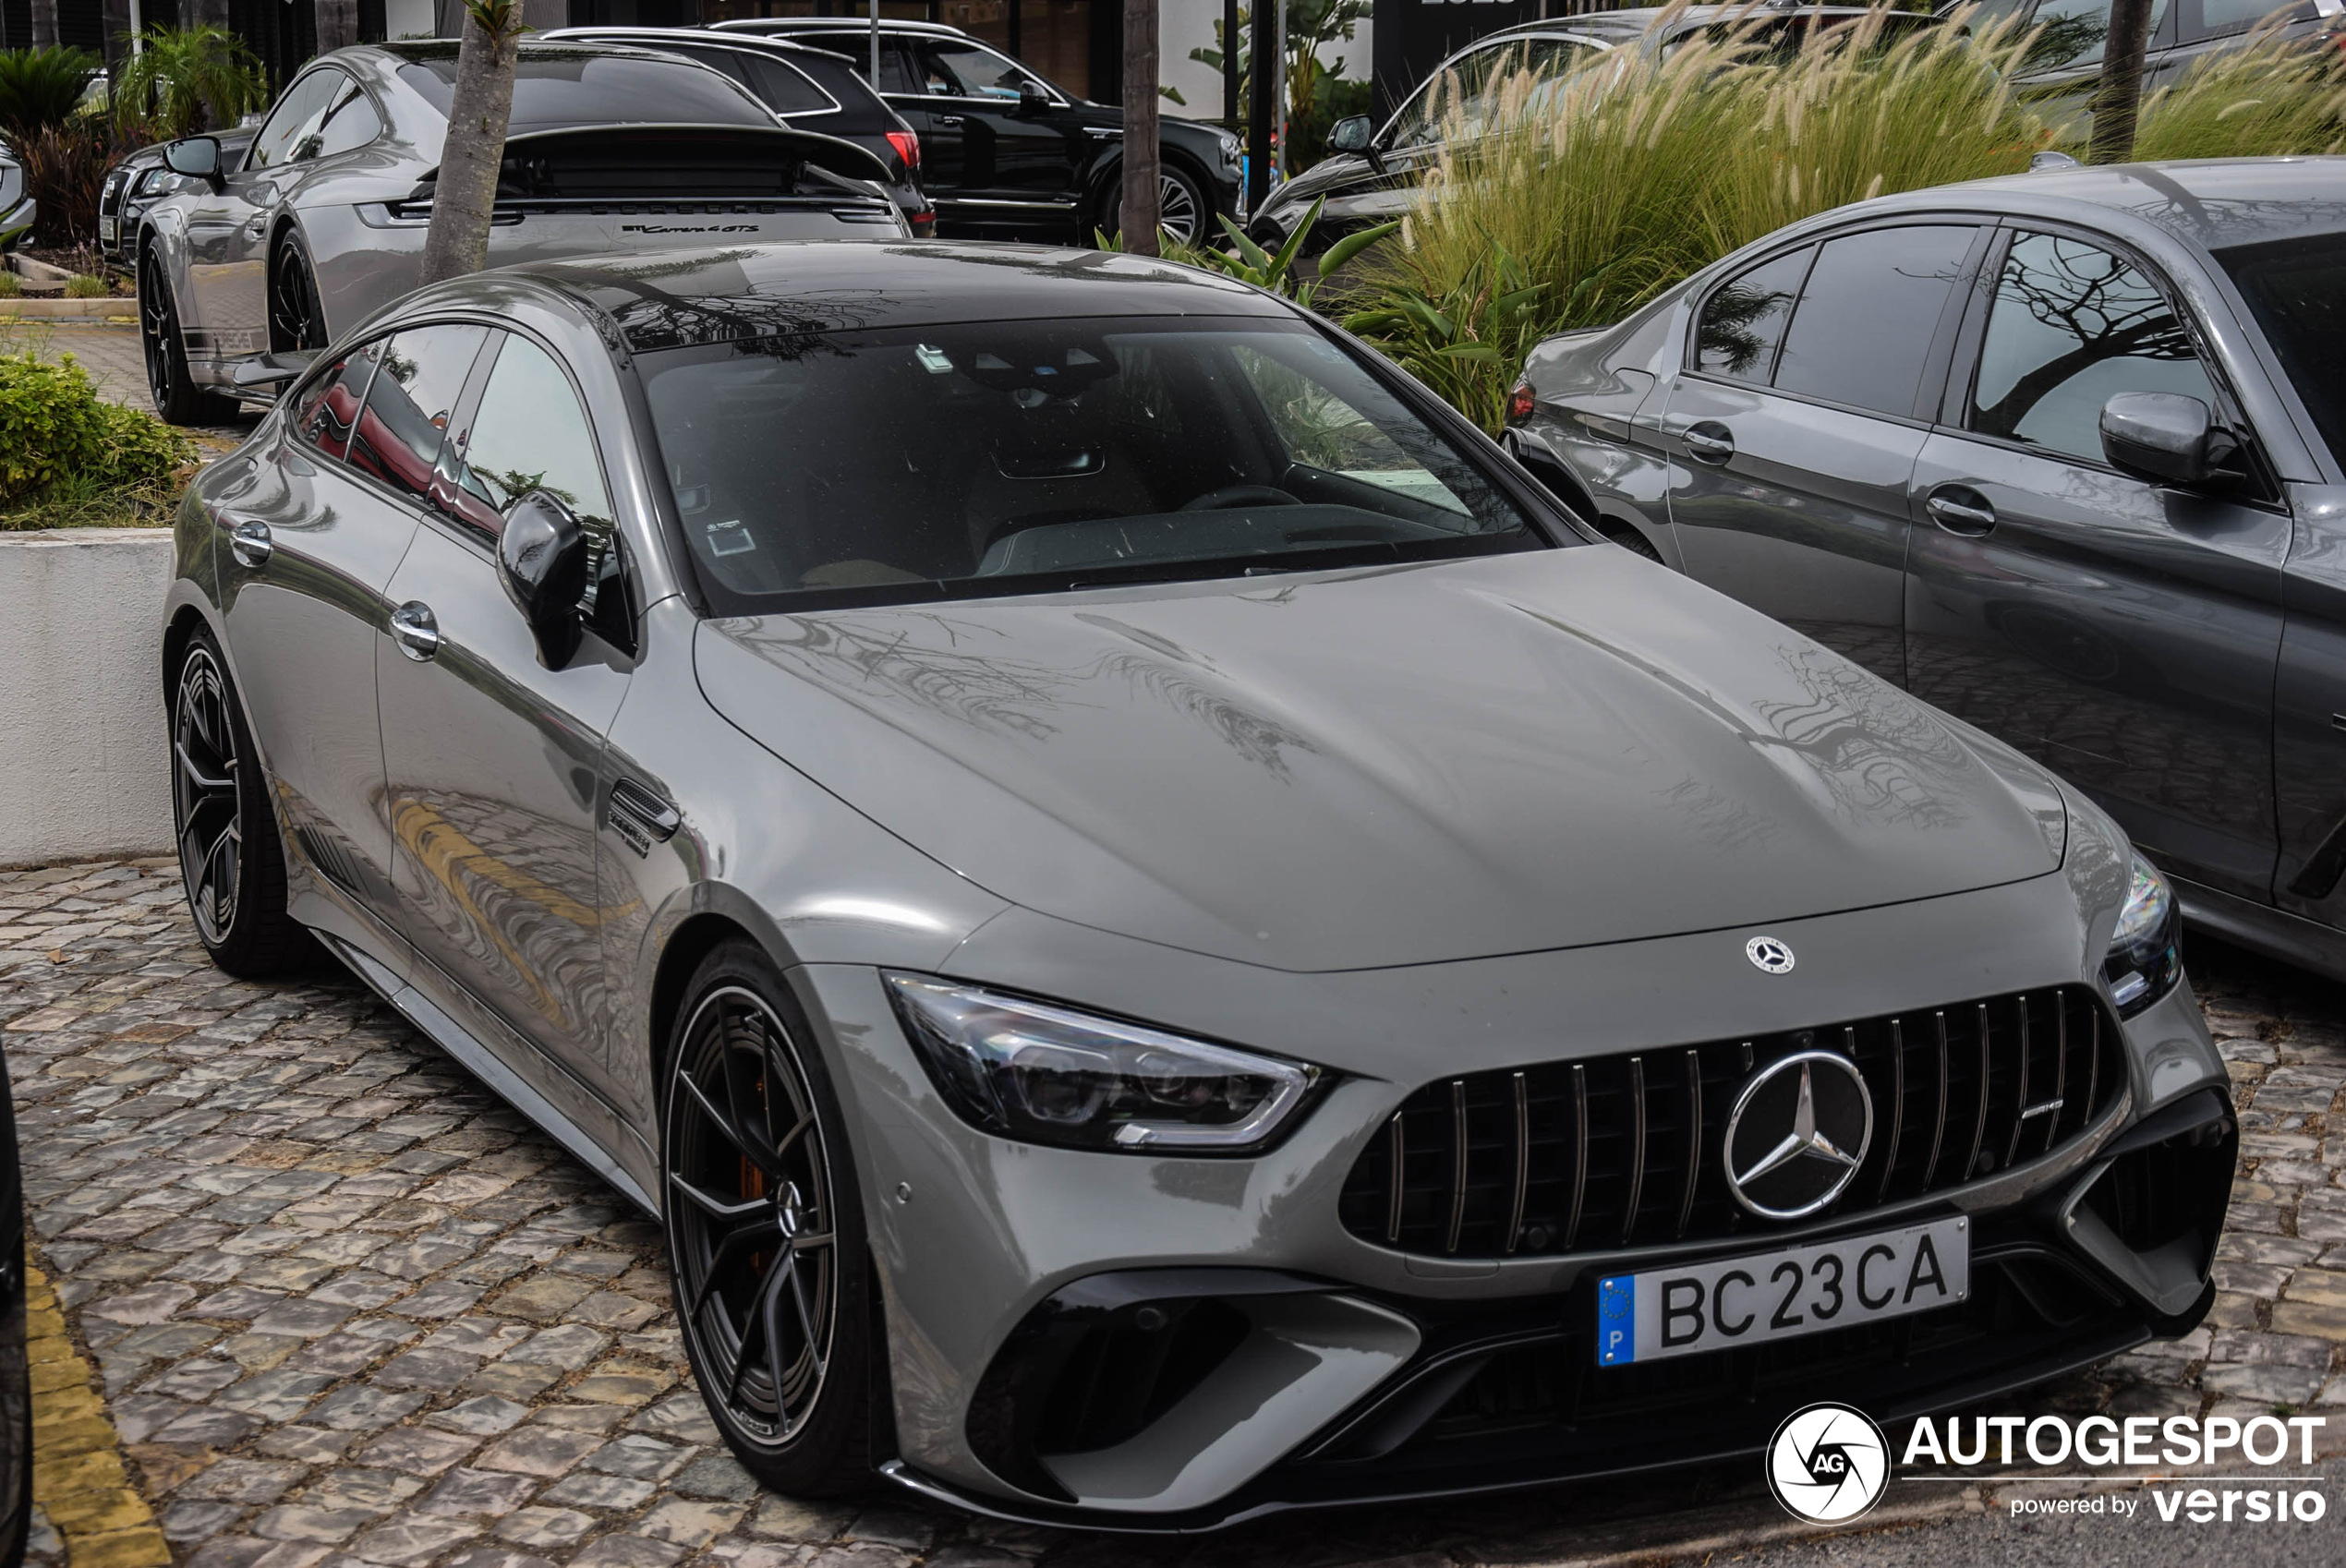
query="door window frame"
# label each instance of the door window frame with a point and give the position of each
(1944, 337)
(347, 470)
(245, 165)
(1963, 373)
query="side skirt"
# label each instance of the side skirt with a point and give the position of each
(2275, 933)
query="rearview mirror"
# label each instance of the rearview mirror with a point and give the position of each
(1031, 101)
(1350, 134)
(541, 558)
(2167, 438)
(197, 156)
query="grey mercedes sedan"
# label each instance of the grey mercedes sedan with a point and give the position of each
(1167, 937)
(273, 245)
(2062, 453)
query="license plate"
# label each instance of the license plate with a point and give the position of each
(108, 228)
(1778, 1295)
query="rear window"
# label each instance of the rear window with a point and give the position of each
(861, 113)
(997, 458)
(555, 89)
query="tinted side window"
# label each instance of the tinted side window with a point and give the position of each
(784, 88)
(2071, 327)
(409, 405)
(529, 433)
(2069, 33)
(964, 70)
(327, 416)
(1867, 316)
(1743, 319)
(2215, 19)
(350, 123)
(298, 115)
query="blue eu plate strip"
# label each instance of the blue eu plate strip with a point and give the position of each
(1616, 1319)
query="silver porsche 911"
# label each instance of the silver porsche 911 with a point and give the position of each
(1167, 937)
(272, 250)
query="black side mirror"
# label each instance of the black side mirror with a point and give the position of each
(1350, 134)
(542, 558)
(2167, 438)
(197, 156)
(1030, 102)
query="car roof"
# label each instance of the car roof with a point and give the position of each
(837, 24)
(653, 38)
(2210, 203)
(732, 292)
(1630, 23)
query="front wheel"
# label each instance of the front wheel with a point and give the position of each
(766, 1233)
(178, 400)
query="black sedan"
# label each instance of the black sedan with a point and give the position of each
(1008, 155)
(2063, 454)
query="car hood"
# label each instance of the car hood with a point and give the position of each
(1398, 766)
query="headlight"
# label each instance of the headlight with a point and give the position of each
(1231, 147)
(1047, 1075)
(2146, 950)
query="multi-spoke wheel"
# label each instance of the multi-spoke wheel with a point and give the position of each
(1183, 210)
(297, 317)
(177, 399)
(229, 861)
(763, 1232)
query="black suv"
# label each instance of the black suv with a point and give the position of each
(1007, 155)
(812, 88)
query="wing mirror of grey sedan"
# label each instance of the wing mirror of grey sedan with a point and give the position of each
(1350, 134)
(2167, 438)
(542, 557)
(197, 156)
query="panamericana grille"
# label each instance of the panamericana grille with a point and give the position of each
(1624, 1151)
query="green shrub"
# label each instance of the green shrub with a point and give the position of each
(188, 80)
(2259, 100)
(57, 438)
(10, 286)
(81, 285)
(39, 89)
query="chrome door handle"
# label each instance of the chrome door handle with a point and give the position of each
(1959, 509)
(416, 630)
(1709, 442)
(248, 541)
(945, 119)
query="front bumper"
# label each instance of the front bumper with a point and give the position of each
(1159, 1344)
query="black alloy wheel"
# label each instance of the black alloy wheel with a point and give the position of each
(229, 861)
(765, 1234)
(297, 316)
(177, 399)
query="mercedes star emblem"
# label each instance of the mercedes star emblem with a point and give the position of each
(1767, 954)
(1798, 1132)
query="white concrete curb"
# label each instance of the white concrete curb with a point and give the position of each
(82, 735)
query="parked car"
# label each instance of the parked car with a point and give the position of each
(15, 1371)
(1167, 937)
(321, 220)
(140, 180)
(18, 210)
(2062, 454)
(1006, 154)
(811, 88)
(1372, 174)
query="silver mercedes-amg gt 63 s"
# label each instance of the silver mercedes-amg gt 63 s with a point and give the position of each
(1167, 935)
(274, 249)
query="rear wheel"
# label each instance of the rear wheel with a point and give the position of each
(766, 1234)
(177, 399)
(1183, 210)
(297, 316)
(229, 860)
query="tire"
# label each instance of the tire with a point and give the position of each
(1184, 210)
(754, 1151)
(231, 865)
(296, 315)
(177, 399)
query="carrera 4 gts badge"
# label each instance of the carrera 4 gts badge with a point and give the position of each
(688, 228)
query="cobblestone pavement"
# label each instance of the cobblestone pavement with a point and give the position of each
(110, 352)
(346, 1308)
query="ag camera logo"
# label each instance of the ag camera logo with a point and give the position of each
(1828, 1464)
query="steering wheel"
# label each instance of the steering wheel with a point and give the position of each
(1239, 495)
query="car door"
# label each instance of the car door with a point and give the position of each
(2062, 67)
(492, 759)
(2123, 632)
(998, 141)
(312, 545)
(1795, 427)
(229, 230)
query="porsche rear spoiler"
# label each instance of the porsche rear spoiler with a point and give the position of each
(668, 163)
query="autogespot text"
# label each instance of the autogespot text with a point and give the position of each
(2085, 1447)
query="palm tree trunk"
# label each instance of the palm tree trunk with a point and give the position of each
(2120, 96)
(44, 24)
(204, 13)
(478, 110)
(1138, 220)
(337, 24)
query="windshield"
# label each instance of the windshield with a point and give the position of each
(556, 89)
(991, 458)
(2296, 289)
